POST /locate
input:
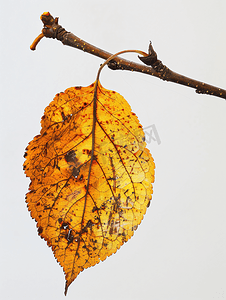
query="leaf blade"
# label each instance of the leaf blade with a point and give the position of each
(91, 176)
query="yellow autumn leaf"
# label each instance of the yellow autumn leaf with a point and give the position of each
(91, 176)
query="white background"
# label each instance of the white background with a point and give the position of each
(178, 252)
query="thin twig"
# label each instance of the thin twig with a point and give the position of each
(53, 30)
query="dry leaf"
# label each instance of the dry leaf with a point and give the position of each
(91, 176)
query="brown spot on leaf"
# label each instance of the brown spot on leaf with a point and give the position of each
(75, 172)
(40, 230)
(70, 157)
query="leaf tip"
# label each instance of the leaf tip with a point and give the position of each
(66, 287)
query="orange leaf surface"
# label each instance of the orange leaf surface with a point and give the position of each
(91, 176)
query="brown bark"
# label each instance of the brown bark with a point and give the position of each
(53, 30)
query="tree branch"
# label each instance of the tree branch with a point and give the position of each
(53, 30)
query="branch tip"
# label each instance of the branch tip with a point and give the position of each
(47, 19)
(48, 22)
